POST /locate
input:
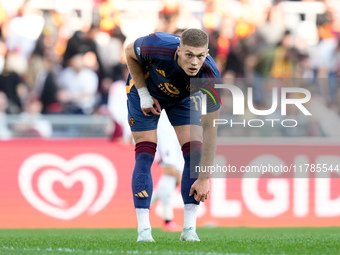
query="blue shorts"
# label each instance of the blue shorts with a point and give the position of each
(185, 112)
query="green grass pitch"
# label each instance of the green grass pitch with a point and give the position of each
(214, 241)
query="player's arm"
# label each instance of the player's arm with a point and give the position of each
(201, 185)
(209, 140)
(147, 102)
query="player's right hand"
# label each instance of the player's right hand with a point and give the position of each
(151, 106)
(148, 103)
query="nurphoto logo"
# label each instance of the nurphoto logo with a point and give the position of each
(278, 94)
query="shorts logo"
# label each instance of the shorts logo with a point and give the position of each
(132, 122)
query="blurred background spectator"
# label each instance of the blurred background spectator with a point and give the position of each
(5, 132)
(67, 57)
(78, 86)
(30, 122)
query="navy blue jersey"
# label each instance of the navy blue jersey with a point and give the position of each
(166, 81)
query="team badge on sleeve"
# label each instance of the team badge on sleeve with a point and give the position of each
(138, 51)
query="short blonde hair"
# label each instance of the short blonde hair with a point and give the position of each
(195, 37)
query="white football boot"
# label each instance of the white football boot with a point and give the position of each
(145, 235)
(189, 234)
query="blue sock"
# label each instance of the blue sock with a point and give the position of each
(142, 185)
(192, 157)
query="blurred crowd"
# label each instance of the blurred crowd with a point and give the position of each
(54, 61)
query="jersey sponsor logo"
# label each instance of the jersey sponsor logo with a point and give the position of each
(45, 178)
(161, 72)
(132, 122)
(169, 89)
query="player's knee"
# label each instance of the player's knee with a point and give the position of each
(145, 147)
(144, 156)
(191, 146)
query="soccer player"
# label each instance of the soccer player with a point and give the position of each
(161, 66)
(168, 154)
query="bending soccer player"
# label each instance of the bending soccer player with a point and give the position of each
(161, 66)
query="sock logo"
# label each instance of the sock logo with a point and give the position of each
(65, 189)
(142, 194)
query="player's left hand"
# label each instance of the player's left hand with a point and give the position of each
(200, 189)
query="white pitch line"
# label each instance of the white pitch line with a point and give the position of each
(114, 251)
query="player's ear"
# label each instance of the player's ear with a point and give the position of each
(178, 51)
